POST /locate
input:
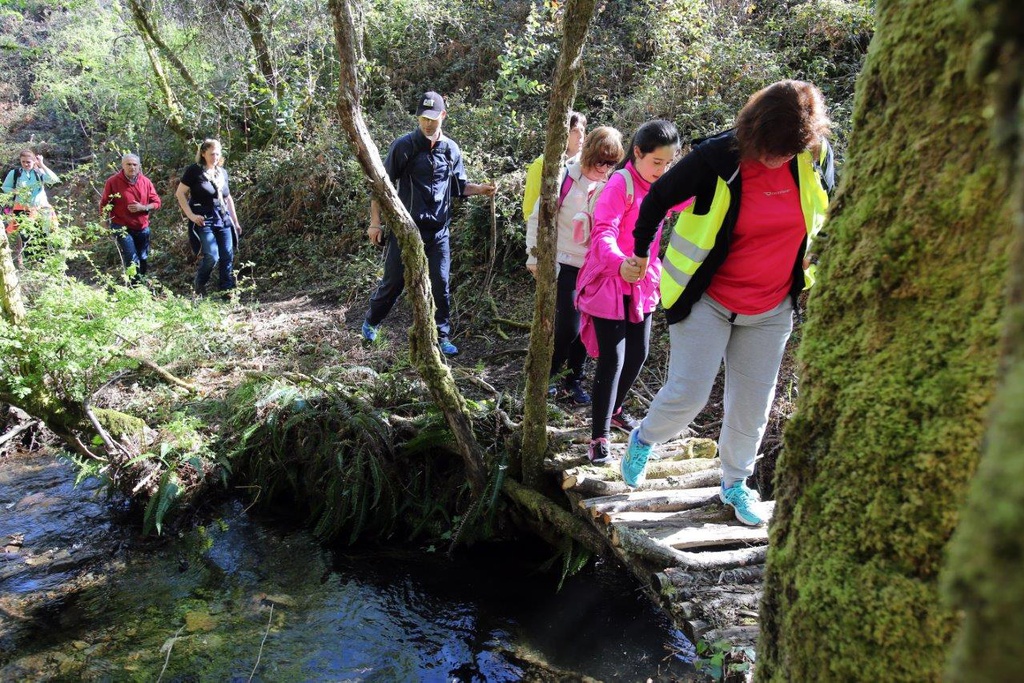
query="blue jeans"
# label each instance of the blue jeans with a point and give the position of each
(134, 247)
(217, 244)
(439, 262)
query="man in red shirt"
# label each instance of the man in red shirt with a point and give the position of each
(130, 197)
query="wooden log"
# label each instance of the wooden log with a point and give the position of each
(640, 545)
(674, 457)
(659, 469)
(735, 598)
(709, 534)
(653, 501)
(643, 519)
(687, 449)
(684, 579)
(696, 628)
(590, 482)
(735, 636)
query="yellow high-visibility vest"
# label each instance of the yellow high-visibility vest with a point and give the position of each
(694, 235)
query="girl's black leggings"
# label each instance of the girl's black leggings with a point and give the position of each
(622, 348)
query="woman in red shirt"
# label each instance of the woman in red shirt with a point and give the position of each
(733, 271)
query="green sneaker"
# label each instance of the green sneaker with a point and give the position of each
(634, 464)
(742, 500)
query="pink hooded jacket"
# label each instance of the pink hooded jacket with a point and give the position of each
(600, 289)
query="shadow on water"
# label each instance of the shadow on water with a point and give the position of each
(205, 606)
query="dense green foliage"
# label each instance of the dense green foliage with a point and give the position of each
(94, 84)
(88, 81)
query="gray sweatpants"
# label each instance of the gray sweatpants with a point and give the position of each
(752, 346)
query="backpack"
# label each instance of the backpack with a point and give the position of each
(583, 221)
(9, 208)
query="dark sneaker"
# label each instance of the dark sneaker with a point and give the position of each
(742, 500)
(599, 451)
(369, 332)
(447, 348)
(624, 422)
(575, 392)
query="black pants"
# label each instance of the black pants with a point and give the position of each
(439, 261)
(569, 350)
(622, 349)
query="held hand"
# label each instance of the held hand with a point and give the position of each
(641, 263)
(375, 234)
(39, 161)
(629, 271)
(197, 219)
(135, 207)
(488, 189)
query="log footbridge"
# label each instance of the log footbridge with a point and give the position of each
(674, 534)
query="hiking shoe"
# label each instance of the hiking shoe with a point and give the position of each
(574, 390)
(742, 499)
(447, 348)
(599, 451)
(624, 422)
(369, 332)
(634, 463)
(552, 391)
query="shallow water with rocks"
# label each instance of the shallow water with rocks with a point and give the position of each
(82, 597)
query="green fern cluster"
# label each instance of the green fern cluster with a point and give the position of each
(320, 446)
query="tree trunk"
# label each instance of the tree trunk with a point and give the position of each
(899, 369)
(422, 336)
(11, 305)
(173, 118)
(155, 48)
(575, 25)
(254, 16)
(985, 573)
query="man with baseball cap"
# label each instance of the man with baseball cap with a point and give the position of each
(426, 169)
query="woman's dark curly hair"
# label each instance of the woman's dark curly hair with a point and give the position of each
(784, 119)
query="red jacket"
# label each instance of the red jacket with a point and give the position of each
(141, 192)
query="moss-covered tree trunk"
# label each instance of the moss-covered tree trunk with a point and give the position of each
(423, 335)
(900, 360)
(575, 24)
(12, 308)
(985, 573)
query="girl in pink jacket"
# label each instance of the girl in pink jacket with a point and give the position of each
(614, 297)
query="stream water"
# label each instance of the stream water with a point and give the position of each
(82, 598)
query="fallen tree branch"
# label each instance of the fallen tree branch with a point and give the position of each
(17, 430)
(512, 323)
(162, 372)
(542, 510)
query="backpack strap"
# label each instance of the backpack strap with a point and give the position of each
(628, 177)
(567, 181)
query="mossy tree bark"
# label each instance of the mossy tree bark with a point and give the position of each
(423, 347)
(575, 25)
(985, 573)
(899, 368)
(11, 305)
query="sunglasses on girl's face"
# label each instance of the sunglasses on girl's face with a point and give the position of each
(606, 164)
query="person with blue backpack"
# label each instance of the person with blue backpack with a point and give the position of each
(616, 298)
(602, 150)
(735, 265)
(26, 186)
